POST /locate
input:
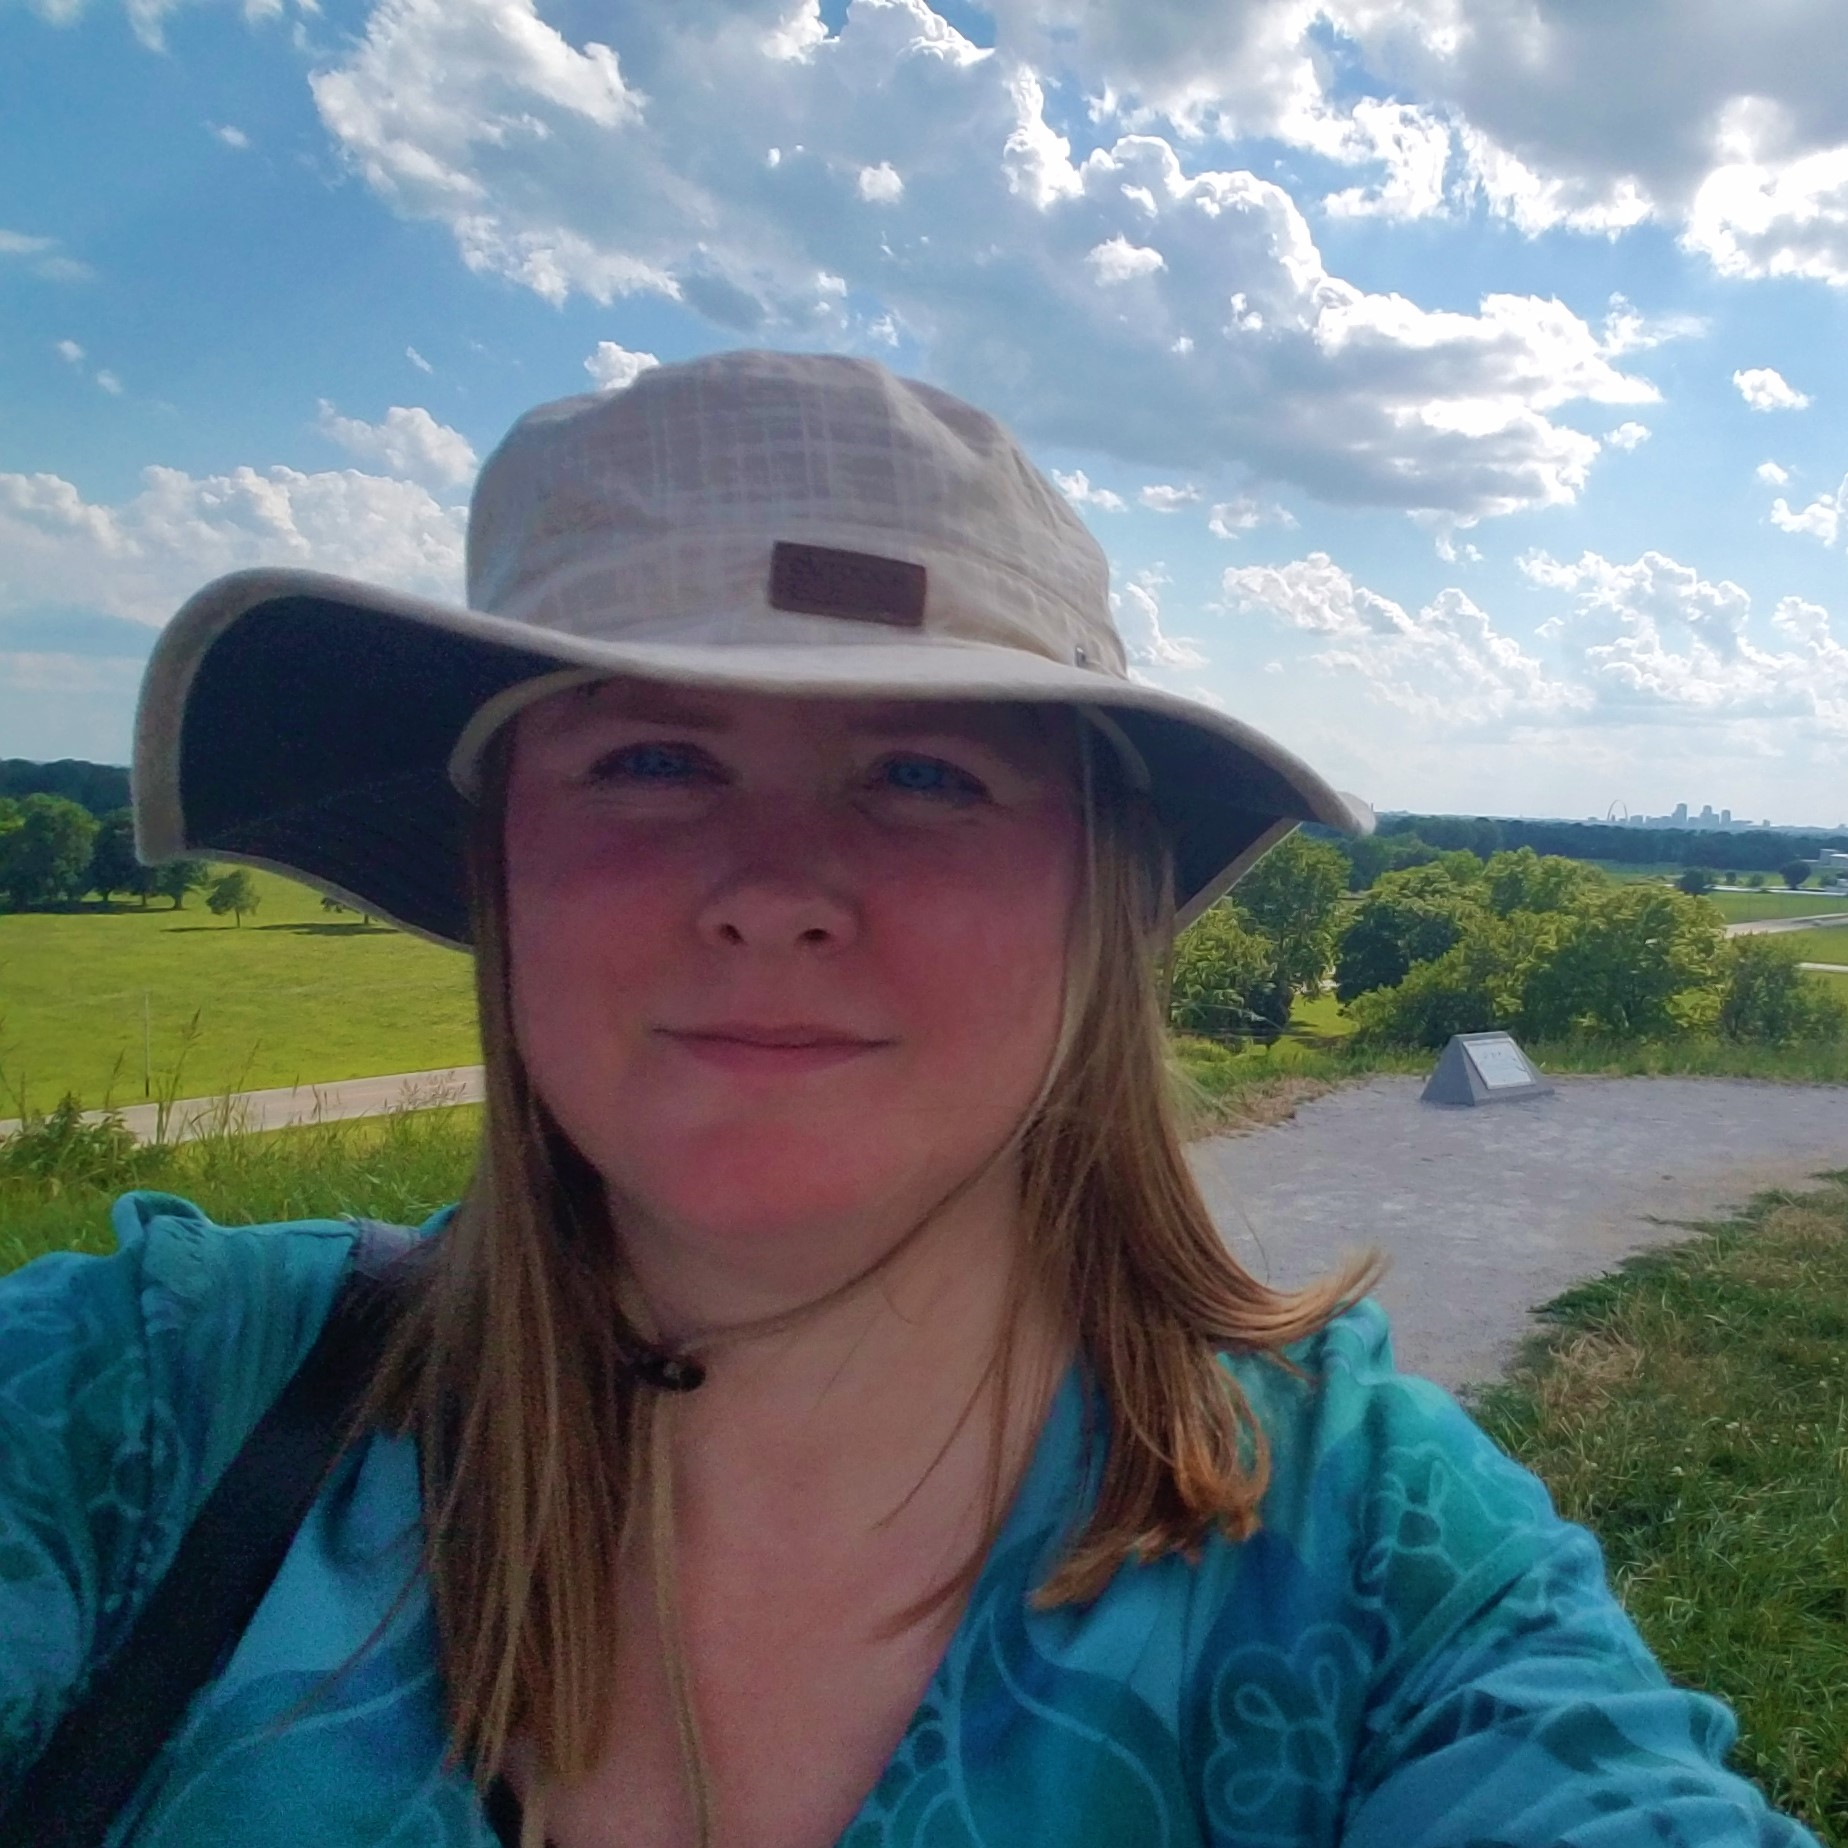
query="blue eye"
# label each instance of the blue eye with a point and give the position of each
(643, 763)
(930, 776)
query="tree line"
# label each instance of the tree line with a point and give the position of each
(54, 852)
(1544, 946)
(1751, 849)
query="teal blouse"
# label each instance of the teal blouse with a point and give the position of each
(1414, 1652)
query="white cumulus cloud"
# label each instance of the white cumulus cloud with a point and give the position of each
(1772, 473)
(1118, 260)
(1077, 488)
(1825, 518)
(409, 442)
(600, 169)
(1765, 389)
(1138, 612)
(1447, 664)
(1654, 635)
(1166, 496)
(142, 557)
(881, 185)
(615, 368)
(1244, 513)
(1628, 436)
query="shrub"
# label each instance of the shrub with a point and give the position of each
(1766, 997)
(59, 1149)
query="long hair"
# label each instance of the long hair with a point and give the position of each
(544, 1460)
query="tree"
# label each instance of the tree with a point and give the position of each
(1222, 974)
(1695, 881)
(1526, 881)
(45, 852)
(1794, 872)
(1293, 897)
(235, 892)
(1472, 988)
(1373, 854)
(1755, 881)
(1392, 931)
(113, 866)
(1624, 963)
(178, 877)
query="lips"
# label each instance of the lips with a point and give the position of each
(794, 1036)
(750, 1049)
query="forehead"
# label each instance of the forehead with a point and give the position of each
(723, 710)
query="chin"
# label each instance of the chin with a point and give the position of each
(754, 1188)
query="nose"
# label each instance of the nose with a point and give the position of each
(780, 898)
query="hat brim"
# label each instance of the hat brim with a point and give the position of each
(305, 723)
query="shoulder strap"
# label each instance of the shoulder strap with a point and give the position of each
(226, 1562)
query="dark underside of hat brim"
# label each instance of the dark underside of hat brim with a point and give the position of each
(317, 736)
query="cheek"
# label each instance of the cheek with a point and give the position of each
(585, 925)
(979, 955)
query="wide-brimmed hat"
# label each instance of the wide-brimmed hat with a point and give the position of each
(799, 524)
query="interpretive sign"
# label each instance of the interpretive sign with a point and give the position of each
(1483, 1068)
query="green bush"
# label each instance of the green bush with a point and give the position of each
(59, 1149)
(1767, 998)
(1224, 979)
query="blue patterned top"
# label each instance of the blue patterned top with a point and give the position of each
(1415, 1652)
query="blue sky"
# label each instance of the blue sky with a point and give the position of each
(1456, 385)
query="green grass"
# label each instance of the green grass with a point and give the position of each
(1691, 1409)
(1822, 943)
(400, 1167)
(1750, 907)
(293, 995)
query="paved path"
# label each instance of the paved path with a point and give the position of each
(1489, 1212)
(297, 1104)
(1766, 927)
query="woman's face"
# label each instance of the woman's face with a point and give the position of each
(787, 969)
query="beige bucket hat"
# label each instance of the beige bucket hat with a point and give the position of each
(783, 523)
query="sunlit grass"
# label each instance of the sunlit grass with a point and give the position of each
(1691, 1409)
(294, 995)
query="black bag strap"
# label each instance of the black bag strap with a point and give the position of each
(234, 1548)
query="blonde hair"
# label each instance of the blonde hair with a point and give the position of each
(544, 1458)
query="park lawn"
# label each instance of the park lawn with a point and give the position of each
(1825, 943)
(1751, 907)
(1691, 1409)
(293, 994)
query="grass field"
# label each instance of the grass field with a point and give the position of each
(1691, 1409)
(1826, 943)
(1750, 907)
(294, 993)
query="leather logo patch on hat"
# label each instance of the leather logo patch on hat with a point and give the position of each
(818, 580)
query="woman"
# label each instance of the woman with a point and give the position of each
(830, 1415)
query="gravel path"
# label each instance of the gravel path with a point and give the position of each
(1489, 1212)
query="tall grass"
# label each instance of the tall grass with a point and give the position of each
(401, 1166)
(1691, 1409)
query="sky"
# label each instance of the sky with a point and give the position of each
(1457, 386)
